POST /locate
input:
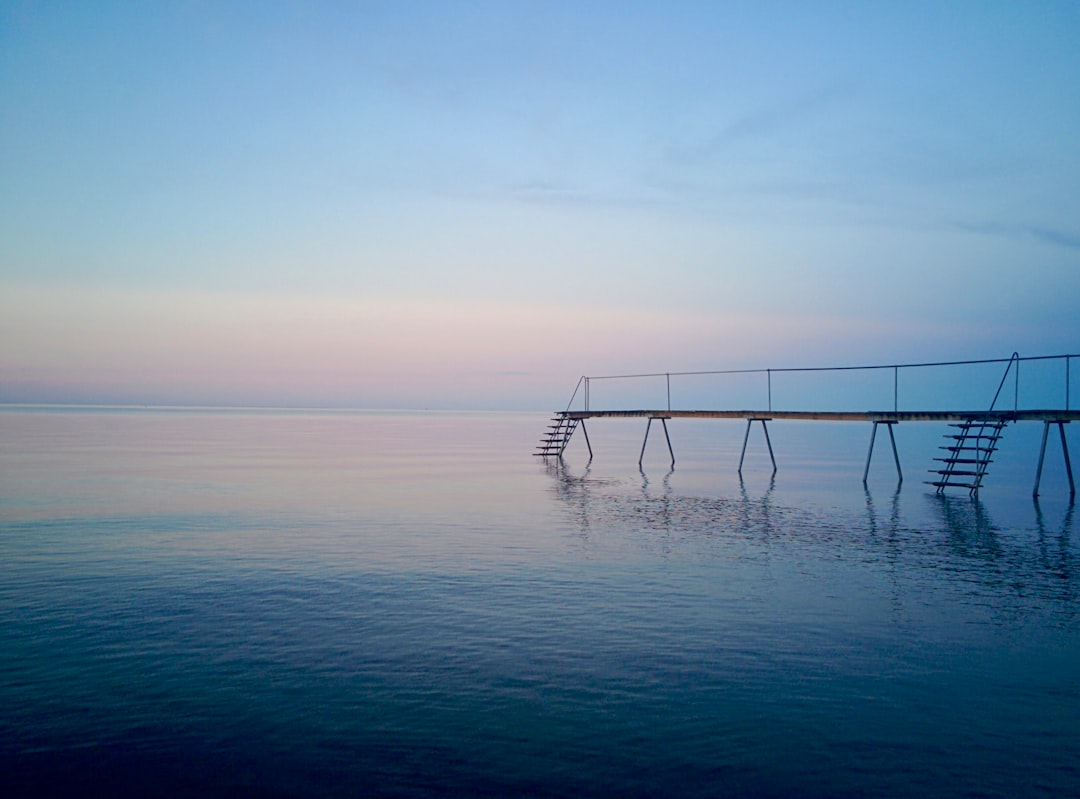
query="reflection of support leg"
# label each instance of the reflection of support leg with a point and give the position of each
(643, 443)
(669, 449)
(745, 439)
(1068, 463)
(769, 443)
(896, 455)
(1042, 456)
(586, 434)
(869, 452)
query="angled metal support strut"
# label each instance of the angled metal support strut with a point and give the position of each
(768, 443)
(870, 452)
(663, 421)
(1064, 451)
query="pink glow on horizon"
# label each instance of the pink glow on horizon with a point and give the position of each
(61, 345)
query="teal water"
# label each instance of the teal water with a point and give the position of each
(408, 604)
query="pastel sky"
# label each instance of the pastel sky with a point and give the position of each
(470, 204)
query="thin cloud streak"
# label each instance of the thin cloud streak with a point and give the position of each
(760, 125)
(1055, 237)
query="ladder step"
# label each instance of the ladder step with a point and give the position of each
(559, 431)
(972, 447)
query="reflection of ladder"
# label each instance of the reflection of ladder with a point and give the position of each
(557, 436)
(970, 452)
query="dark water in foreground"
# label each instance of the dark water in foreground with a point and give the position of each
(340, 604)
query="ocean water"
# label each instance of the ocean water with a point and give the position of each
(289, 603)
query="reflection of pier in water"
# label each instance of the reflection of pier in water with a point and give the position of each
(964, 546)
(966, 454)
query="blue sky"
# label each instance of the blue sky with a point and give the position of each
(471, 204)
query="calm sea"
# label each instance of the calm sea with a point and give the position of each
(288, 603)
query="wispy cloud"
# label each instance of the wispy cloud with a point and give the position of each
(1057, 237)
(760, 124)
(554, 192)
(1061, 238)
(546, 191)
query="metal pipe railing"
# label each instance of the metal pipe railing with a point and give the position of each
(1013, 362)
(1016, 395)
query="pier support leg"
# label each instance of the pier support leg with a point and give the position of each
(768, 443)
(870, 452)
(1064, 451)
(1042, 456)
(646, 441)
(663, 421)
(1068, 463)
(669, 449)
(896, 455)
(745, 439)
(586, 434)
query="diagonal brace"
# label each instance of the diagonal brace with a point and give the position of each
(870, 452)
(663, 421)
(587, 442)
(1064, 450)
(768, 443)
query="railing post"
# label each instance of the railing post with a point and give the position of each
(586, 393)
(895, 389)
(769, 373)
(668, 376)
(1068, 358)
(1016, 387)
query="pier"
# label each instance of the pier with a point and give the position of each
(972, 437)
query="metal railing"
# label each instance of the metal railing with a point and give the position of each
(584, 384)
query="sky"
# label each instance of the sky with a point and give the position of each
(471, 204)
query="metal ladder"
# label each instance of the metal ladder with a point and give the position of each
(558, 435)
(972, 450)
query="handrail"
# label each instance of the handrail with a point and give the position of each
(1015, 358)
(575, 394)
(836, 368)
